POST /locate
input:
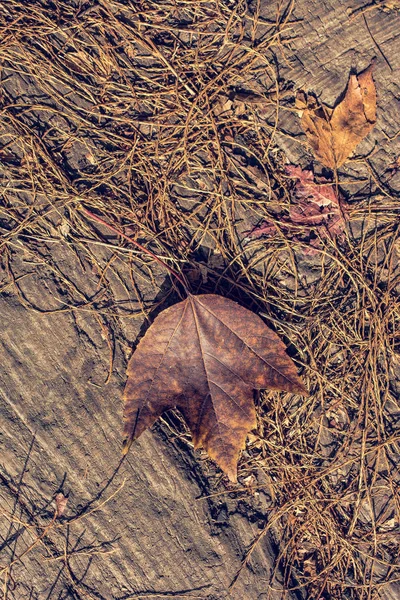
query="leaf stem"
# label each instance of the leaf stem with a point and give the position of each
(179, 277)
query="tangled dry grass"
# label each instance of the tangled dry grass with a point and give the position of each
(161, 117)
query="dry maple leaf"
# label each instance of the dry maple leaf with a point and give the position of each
(333, 134)
(205, 356)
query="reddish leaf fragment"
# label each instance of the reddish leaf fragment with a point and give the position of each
(206, 356)
(316, 205)
(61, 503)
(307, 188)
(313, 205)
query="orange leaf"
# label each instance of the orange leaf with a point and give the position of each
(205, 356)
(334, 134)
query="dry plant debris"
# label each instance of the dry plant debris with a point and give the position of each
(314, 207)
(119, 106)
(61, 504)
(205, 356)
(333, 134)
(50, 538)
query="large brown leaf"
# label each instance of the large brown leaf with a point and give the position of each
(334, 134)
(205, 356)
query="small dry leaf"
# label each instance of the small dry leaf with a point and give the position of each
(64, 228)
(249, 482)
(61, 503)
(223, 106)
(307, 188)
(314, 205)
(206, 356)
(334, 134)
(337, 417)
